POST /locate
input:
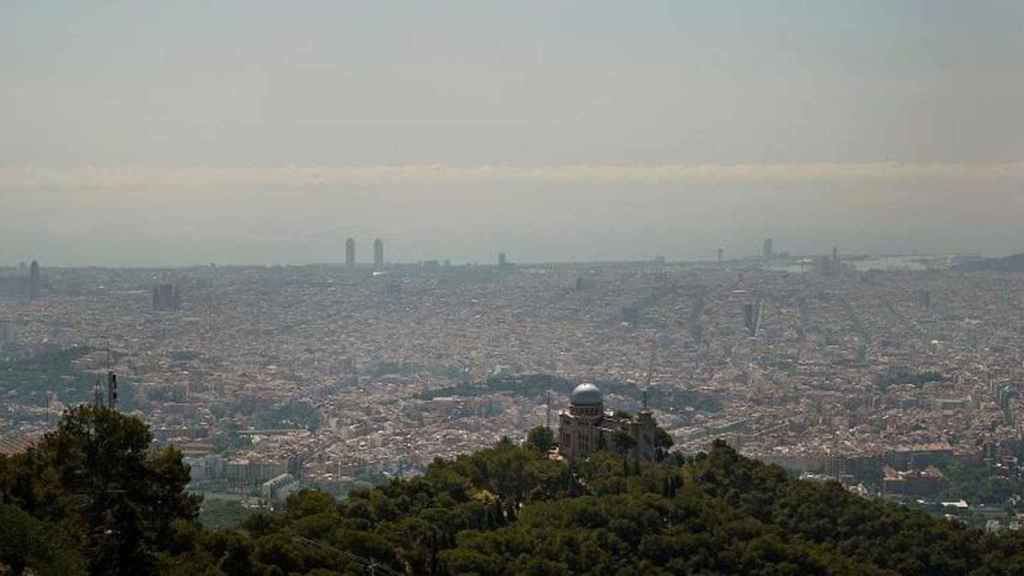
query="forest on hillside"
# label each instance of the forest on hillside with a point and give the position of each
(95, 497)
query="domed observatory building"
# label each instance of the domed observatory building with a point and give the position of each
(586, 428)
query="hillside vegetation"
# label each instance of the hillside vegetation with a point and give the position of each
(94, 498)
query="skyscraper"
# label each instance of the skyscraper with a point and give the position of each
(33, 281)
(502, 260)
(166, 298)
(752, 316)
(350, 252)
(378, 254)
(766, 250)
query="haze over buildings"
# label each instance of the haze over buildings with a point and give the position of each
(554, 131)
(323, 245)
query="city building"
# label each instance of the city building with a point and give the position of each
(927, 482)
(378, 254)
(587, 428)
(825, 266)
(245, 474)
(502, 260)
(350, 252)
(279, 487)
(207, 467)
(166, 298)
(33, 281)
(752, 316)
(767, 250)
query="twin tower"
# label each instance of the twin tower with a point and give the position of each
(378, 253)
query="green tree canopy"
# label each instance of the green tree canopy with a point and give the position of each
(541, 438)
(95, 497)
(98, 478)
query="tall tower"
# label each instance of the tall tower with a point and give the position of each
(752, 316)
(721, 252)
(33, 281)
(766, 250)
(111, 390)
(378, 254)
(350, 252)
(502, 260)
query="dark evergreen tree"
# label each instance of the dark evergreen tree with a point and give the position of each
(541, 438)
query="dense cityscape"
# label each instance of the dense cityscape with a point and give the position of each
(863, 369)
(511, 288)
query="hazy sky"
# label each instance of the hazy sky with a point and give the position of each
(254, 132)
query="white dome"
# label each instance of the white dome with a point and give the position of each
(586, 395)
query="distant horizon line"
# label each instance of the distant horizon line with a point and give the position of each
(753, 258)
(101, 176)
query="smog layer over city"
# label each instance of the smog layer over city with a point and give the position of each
(511, 288)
